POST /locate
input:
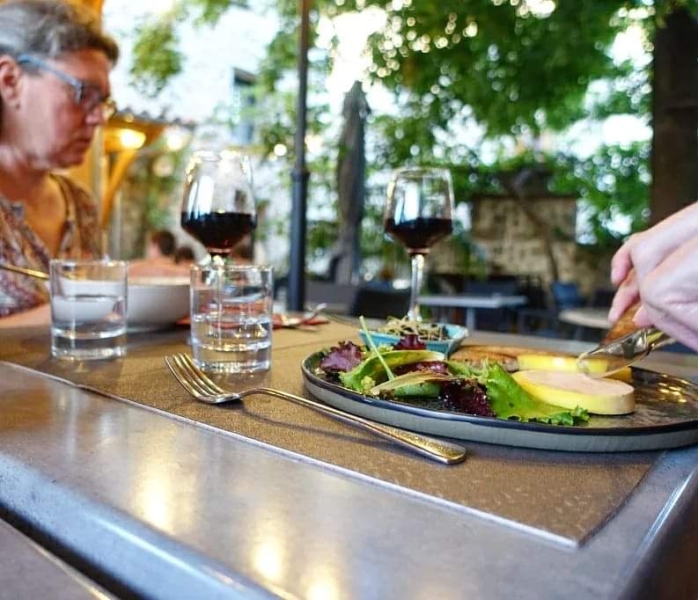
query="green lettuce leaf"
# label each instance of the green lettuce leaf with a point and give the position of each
(510, 401)
(424, 384)
(371, 371)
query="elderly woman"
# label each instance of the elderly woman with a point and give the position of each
(54, 93)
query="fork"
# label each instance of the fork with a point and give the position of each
(204, 389)
(25, 271)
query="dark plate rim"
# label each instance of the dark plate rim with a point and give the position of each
(493, 422)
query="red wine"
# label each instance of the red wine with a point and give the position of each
(218, 231)
(420, 234)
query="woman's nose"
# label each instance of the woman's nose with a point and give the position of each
(96, 115)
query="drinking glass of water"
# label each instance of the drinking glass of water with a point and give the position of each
(88, 308)
(231, 317)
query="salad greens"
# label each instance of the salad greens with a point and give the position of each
(368, 373)
(427, 374)
(510, 401)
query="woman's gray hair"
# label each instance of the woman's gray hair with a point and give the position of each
(49, 28)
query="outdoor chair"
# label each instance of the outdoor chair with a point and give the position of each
(566, 295)
(374, 302)
(538, 317)
(339, 297)
(495, 319)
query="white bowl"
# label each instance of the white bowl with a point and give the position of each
(155, 302)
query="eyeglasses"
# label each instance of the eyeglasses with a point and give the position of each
(86, 95)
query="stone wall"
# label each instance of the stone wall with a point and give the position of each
(510, 243)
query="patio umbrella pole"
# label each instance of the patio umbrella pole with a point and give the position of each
(300, 175)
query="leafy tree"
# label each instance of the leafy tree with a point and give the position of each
(517, 68)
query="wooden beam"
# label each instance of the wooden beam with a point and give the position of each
(123, 157)
(95, 5)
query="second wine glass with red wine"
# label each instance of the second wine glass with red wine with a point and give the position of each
(418, 214)
(218, 207)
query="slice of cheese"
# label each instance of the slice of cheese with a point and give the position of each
(541, 362)
(569, 364)
(569, 390)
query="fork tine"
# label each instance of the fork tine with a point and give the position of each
(192, 377)
(204, 379)
(194, 380)
(180, 376)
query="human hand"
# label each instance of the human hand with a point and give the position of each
(669, 295)
(643, 252)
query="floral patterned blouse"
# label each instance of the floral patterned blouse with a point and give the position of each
(20, 245)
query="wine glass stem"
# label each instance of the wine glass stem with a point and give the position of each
(217, 259)
(414, 313)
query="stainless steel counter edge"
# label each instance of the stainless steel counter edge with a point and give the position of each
(113, 542)
(178, 511)
(29, 571)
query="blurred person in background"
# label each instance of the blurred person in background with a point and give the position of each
(184, 255)
(162, 244)
(160, 258)
(658, 269)
(54, 93)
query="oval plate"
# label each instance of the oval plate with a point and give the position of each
(666, 416)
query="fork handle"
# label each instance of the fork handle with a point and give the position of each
(436, 449)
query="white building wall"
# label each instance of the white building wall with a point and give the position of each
(210, 54)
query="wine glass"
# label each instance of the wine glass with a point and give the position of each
(218, 207)
(417, 215)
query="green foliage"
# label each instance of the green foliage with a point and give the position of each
(451, 64)
(516, 71)
(156, 56)
(210, 11)
(627, 94)
(152, 190)
(612, 183)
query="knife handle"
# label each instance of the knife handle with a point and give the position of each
(623, 326)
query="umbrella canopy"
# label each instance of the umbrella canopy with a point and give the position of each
(351, 187)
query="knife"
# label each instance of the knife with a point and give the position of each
(622, 352)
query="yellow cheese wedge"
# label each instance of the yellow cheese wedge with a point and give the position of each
(598, 396)
(547, 362)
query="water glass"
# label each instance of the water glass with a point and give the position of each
(88, 308)
(231, 317)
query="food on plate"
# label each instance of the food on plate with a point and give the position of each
(572, 390)
(423, 330)
(507, 356)
(477, 357)
(514, 358)
(415, 374)
(542, 362)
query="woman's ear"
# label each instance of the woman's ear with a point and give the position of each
(10, 76)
